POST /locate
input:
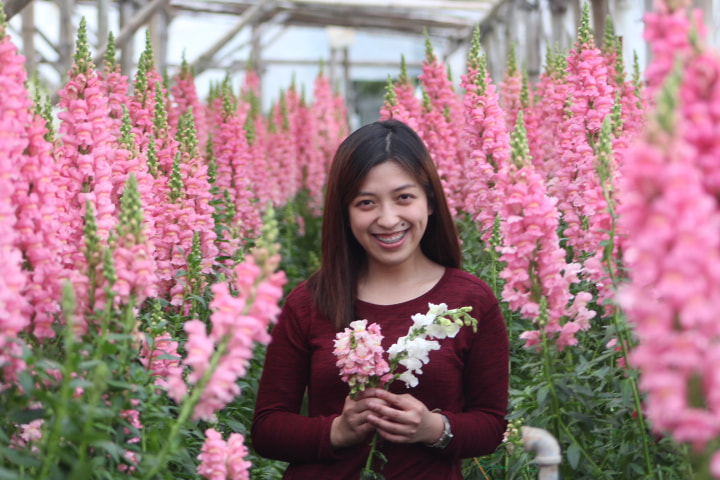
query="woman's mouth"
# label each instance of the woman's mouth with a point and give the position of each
(391, 238)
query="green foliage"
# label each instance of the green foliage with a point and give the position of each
(584, 395)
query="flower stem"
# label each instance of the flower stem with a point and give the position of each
(554, 400)
(187, 408)
(622, 331)
(371, 455)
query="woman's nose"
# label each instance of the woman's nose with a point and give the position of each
(388, 217)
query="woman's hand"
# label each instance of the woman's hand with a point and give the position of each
(403, 418)
(352, 426)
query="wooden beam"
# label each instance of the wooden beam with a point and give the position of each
(248, 16)
(67, 36)
(127, 48)
(45, 38)
(481, 6)
(599, 11)
(103, 29)
(159, 38)
(28, 39)
(128, 30)
(13, 7)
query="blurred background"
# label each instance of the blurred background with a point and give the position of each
(357, 43)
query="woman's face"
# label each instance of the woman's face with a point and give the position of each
(389, 215)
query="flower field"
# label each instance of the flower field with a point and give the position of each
(148, 236)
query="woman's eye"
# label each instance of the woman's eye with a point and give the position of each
(363, 203)
(405, 196)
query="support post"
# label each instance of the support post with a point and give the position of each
(249, 15)
(600, 11)
(28, 39)
(159, 38)
(103, 28)
(125, 45)
(130, 22)
(67, 36)
(257, 59)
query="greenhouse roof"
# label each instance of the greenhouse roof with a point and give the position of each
(448, 21)
(447, 18)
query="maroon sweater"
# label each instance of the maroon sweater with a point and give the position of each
(467, 379)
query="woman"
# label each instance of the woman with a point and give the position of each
(389, 247)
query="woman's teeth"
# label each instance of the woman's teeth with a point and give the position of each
(390, 239)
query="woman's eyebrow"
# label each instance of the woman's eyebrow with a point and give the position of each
(396, 189)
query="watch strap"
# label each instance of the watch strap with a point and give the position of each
(446, 436)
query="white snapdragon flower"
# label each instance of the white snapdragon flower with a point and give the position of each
(443, 330)
(409, 378)
(413, 350)
(422, 320)
(437, 310)
(420, 348)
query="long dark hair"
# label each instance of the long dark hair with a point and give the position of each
(334, 285)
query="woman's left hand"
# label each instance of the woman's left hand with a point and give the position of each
(404, 418)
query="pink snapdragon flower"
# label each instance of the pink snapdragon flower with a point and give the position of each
(441, 127)
(535, 265)
(38, 229)
(115, 86)
(667, 32)
(185, 96)
(14, 117)
(576, 183)
(313, 167)
(282, 155)
(552, 94)
(510, 90)
(488, 149)
(237, 323)
(401, 103)
(671, 220)
(163, 368)
(221, 460)
(359, 355)
(233, 175)
(331, 126)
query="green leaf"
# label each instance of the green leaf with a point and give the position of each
(113, 449)
(8, 474)
(26, 416)
(19, 458)
(542, 394)
(26, 382)
(573, 455)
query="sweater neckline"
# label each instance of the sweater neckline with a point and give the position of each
(417, 300)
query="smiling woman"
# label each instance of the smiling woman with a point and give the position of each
(389, 248)
(388, 218)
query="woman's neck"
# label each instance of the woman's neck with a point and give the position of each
(388, 285)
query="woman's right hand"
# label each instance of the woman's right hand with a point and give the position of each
(352, 426)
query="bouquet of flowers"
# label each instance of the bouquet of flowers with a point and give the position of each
(362, 363)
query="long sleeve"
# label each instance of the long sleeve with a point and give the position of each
(478, 429)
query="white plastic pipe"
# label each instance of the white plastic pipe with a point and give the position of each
(546, 449)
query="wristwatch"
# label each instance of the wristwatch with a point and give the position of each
(445, 436)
